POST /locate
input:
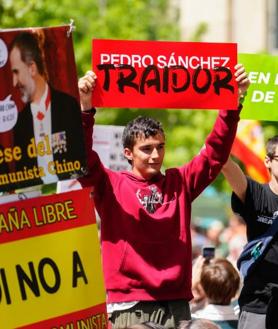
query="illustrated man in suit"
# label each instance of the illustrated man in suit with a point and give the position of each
(48, 127)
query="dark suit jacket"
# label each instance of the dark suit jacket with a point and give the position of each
(65, 116)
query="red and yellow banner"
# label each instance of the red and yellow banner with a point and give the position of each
(249, 148)
(50, 268)
(158, 74)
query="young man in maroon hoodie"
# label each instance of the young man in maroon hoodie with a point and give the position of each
(145, 215)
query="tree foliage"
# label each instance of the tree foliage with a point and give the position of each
(125, 19)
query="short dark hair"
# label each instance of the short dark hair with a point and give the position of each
(140, 127)
(271, 146)
(31, 49)
(220, 281)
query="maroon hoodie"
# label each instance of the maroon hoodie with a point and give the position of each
(145, 224)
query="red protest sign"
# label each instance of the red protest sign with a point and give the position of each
(156, 74)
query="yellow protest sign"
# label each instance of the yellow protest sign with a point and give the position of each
(50, 268)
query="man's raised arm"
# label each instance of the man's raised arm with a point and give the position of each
(236, 178)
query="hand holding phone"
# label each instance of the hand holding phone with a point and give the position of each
(208, 252)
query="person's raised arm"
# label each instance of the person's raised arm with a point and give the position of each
(231, 170)
(204, 168)
(86, 86)
(236, 178)
(242, 80)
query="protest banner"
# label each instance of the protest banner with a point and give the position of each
(50, 268)
(158, 74)
(260, 102)
(41, 137)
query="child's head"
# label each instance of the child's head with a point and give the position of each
(140, 127)
(220, 281)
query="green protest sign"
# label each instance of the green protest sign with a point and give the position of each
(261, 101)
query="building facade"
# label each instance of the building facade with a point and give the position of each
(252, 24)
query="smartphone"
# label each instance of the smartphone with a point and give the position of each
(208, 252)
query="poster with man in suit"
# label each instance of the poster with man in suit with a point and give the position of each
(41, 139)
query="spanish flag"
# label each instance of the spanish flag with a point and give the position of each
(249, 148)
